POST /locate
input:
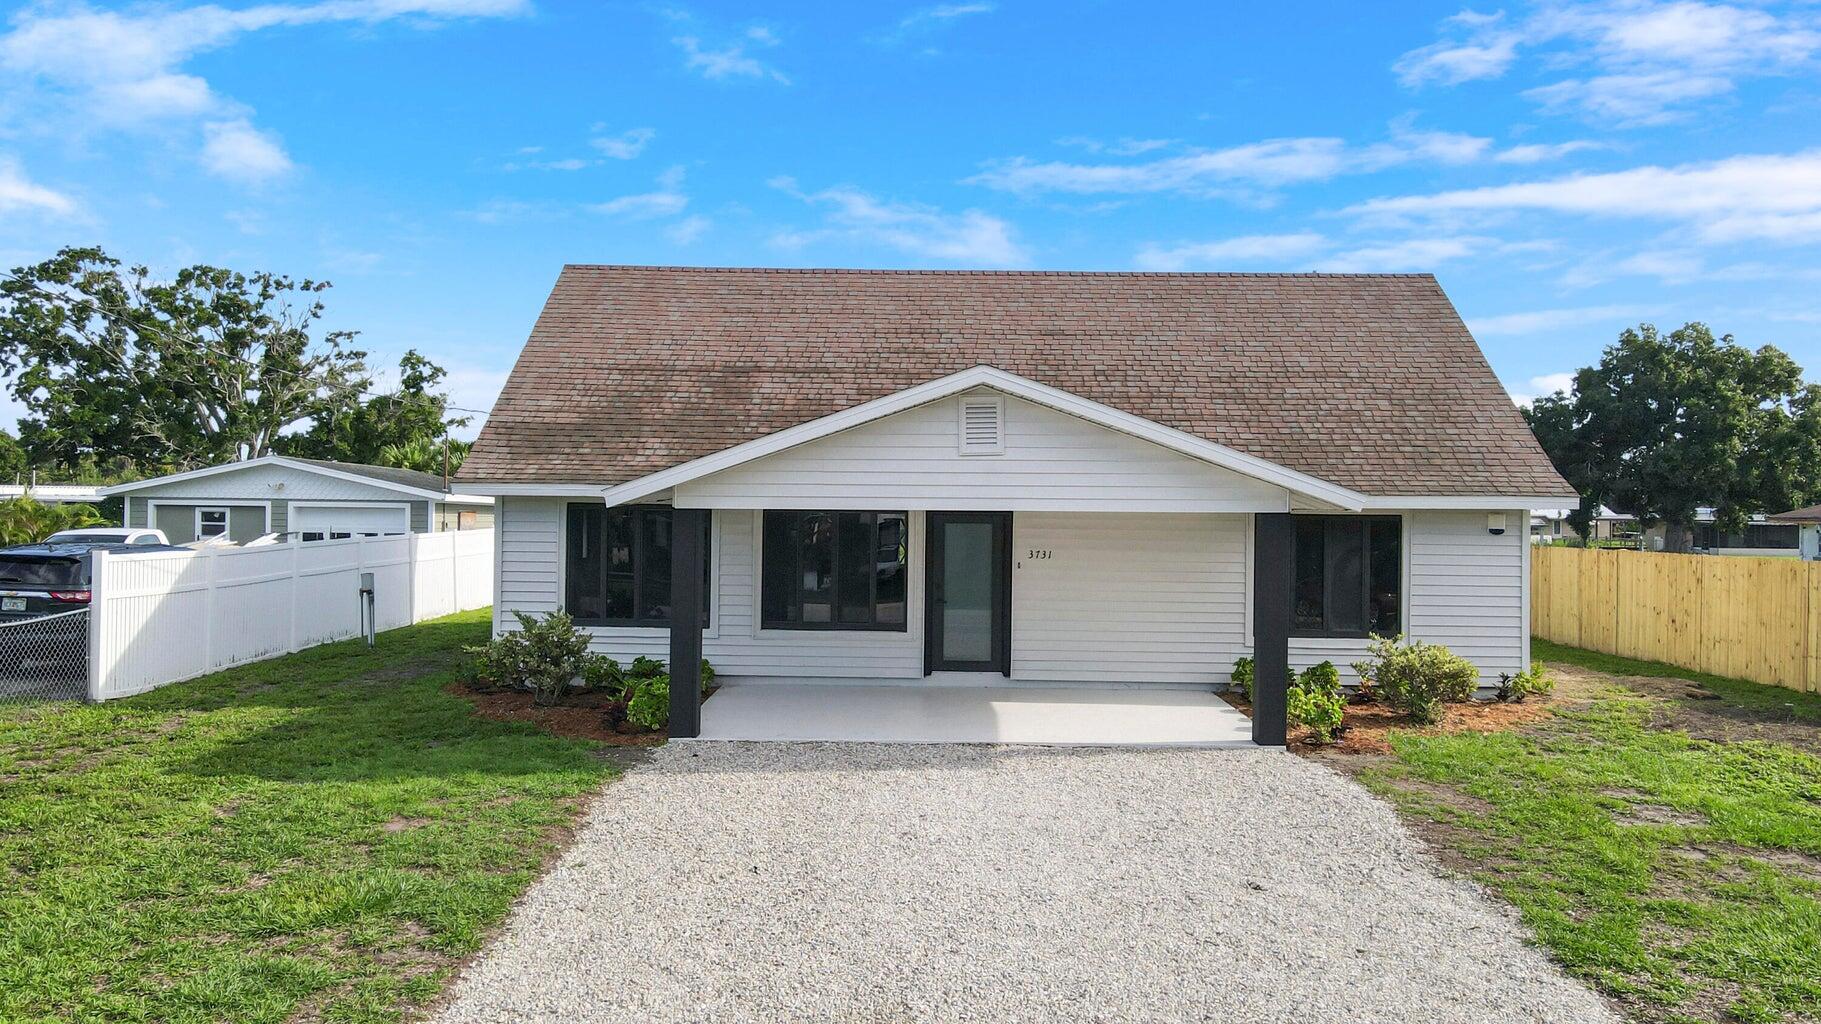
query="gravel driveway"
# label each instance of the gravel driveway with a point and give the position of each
(843, 882)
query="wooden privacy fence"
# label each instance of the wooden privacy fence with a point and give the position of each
(1749, 618)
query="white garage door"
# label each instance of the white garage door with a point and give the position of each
(332, 522)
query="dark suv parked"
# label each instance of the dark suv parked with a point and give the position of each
(40, 580)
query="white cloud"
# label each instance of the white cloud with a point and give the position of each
(1654, 59)
(1542, 152)
(971, 237)
(667, 200)
(730, 61)
(1205, 172)
(1537, 321)
(931, 19)
(1640, 99)
(1403, 255)
(1233, 253)
(1536, 387)
(1775, 198)
(625, 146)
(123, 70)
(688, 229)
(237, 151)
(1486, 51)
(19, 193)
(1235, 171)
(1122, 147)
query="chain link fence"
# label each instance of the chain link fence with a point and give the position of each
(45, 658)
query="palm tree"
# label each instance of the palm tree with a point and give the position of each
(25, 520)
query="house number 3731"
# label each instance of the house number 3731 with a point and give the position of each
(1038, 554)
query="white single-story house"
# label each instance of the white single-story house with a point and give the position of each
(1762, 537)
(306, 499)
(1807, 522)
(1043, 479)
(53, 494)
(1553, 524)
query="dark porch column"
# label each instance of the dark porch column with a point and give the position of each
(688, 528)
(1271, 578)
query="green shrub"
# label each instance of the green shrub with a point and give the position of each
(599, 672)
(1242, 677)
(1317, 709)
(1322, 678)
(648, 702)
(544, 656)
(1416, 678)
(1533, 681)
(645, 668)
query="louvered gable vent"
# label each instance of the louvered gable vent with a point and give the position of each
(983, 426)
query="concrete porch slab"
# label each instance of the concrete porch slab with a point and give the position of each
(973, 714)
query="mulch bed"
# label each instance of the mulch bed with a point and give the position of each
(580, 716)
(1367, 727)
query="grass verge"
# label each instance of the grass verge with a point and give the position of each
(317, 837)
(1680, 875)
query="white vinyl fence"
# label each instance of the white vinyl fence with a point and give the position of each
(166, 616)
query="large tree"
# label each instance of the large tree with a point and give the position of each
(1669, 423)
(208, 366)
(414, 416)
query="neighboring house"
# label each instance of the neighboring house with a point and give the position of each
(309, 499)
(53, 494)
(1763, 536)
(1807, 522)
(1056, 478)
(1607, 525)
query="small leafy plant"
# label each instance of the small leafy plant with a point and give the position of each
(1242, 677)
(1415, 677)
(648, 702)
(545, 656)
(1315, 701)
(1532, 682)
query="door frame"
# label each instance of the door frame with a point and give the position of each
(1001, 662)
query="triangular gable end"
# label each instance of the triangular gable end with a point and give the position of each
(1060, 452)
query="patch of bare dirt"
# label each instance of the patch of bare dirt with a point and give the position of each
(581, 716)
(1684, 705)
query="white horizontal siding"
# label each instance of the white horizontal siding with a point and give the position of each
(267, 482)
(1128, 598)
(1052, 461)
(530, 580)
(1160, 598)
(1466, 588)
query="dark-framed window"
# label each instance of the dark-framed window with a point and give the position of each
(834, 570)
(1349, 576)
(617, 565)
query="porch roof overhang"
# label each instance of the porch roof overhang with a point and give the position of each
(1303, 490)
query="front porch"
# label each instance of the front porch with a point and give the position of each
(1047, 716)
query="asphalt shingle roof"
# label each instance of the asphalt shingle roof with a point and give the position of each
(1368, 381)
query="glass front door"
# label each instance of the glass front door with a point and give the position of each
(969, 592)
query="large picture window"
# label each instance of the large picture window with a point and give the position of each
(617, 565)
(1349, 574)
(834, 570)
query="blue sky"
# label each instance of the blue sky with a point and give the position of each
(1565, 169)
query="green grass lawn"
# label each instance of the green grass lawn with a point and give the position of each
(1679, 875)
(318, 837)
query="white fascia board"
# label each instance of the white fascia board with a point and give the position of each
(274, 460)
(466, 499)
(534, 490)
(1011, 384)
(1498, 503)
(194, 474)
